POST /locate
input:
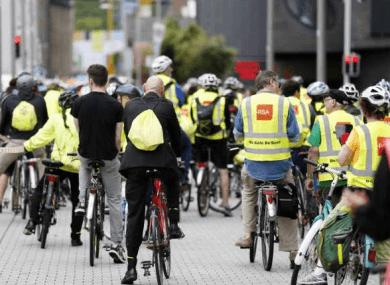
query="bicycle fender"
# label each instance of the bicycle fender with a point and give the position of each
(200, 176)
(306, 241)
(91, 201)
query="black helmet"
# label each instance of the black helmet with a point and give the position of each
(67, 98)
(25, 83)
(128, 90)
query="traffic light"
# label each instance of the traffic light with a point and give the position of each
(351, 64)
(17, 41)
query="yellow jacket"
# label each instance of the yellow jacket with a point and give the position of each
(51, 99)
(66, 140)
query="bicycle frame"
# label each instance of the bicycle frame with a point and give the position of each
(97, 186)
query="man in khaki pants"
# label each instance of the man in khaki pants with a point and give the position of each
(267, 122)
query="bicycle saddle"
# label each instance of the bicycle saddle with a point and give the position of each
(50, 163)
(95, 163)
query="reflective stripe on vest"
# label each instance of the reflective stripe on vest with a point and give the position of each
(305, 116)
(369, 171)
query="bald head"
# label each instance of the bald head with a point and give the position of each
(154, 84)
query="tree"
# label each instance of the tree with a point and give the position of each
(194, 52)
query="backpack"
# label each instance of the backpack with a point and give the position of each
(146, 132)
(205, 125)
(24, 117)
(336, 227)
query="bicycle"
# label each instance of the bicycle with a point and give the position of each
(48, 205)
(94, 219)
(209, 194)
(266, 224)
(301, 191)
(158, 237)
(361, 250)
(185, 190)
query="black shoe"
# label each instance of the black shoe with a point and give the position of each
(76, 241)
(130, 276)
(176, 232)
(30, 228)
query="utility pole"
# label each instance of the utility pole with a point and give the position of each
(321, 40)
(347, 34)
(138, 69)
(1, 63)
(24, 41)
(13, 63)
(110, 23)
(32, 39)
(270, 35)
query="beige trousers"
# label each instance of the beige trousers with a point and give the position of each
(288, 228)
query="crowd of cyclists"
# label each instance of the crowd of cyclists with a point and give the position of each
(279, 125)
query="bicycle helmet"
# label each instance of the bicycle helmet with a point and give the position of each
(25, 83)
(350, 90)
(297, 78)
(192, 82)
(384, 84)
(66, 99)
(377, 96)
(317, 88)
(209, 80)
(230, 83)
(161, 63)
(200, 79)
(111, 88)
(128, 90)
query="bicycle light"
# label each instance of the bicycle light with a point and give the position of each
(371, 254)
(270, 199)
(31, 163)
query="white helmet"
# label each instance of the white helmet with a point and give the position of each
(317, 88)
(297, 78)
(377, 95)
(231, 83)
(209, 80)
(384, 84)
(161, 63)
(350, 90)
(111, 88)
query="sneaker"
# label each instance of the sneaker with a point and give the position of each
(175, 231)
(130, 276)
(245, 242)
(118, 254)
(314, 279)
(225, 209)
(80, 209)
(30, 228)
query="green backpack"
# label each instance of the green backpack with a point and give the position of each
(338, 226)
(24, 117)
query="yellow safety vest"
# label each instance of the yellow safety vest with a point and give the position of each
(51, 100)
(304, 97)
(330, 146)
(170, 92)
(186, 123)
(205, 98)
(265, 127)
(302, 113)
(371, 142)
(238, 101)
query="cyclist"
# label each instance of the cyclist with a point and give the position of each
(111, 87)
(135, 162)
(233, 97)
(267, 122)
(362, 151)
(353, 94)
(21, 118)
(62, 129)
(98, 118)
(317, 90)
(51, 99)
(211, 131)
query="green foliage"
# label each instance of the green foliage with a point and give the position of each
(194, 52)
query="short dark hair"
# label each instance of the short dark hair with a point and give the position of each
(372, 110)
(264, 78)
(290, 87)
(99, 74)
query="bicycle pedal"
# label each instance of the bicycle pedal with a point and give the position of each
(145, 265)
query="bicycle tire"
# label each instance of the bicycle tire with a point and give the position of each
(156, 248)
(92, 235)
(301, 204)
(235, 189)
(186, 197)
(308, 265)
(166, 252)
(23, 191)
(267, 238)
(39, 232)
(253, 248)
(45, 226)
(203, 194)
(99, 223)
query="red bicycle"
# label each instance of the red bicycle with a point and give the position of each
(158, 238)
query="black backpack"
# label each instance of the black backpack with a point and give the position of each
(205, 125)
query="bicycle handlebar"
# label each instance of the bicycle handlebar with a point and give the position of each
(325, 168)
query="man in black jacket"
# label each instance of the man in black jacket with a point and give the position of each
(135, 162)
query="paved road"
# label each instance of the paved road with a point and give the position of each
(206, 256)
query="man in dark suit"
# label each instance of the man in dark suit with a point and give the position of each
(135, 162)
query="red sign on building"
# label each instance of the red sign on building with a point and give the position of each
(247, 70)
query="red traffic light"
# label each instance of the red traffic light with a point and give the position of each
(355, 58)
(17, 40)
(347, 59)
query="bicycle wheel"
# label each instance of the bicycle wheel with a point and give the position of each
(235, 188)
(45, 226)
(267, 237)
(166, 250)
(253, 248)
(185, 196)
(93, 235)
(39, 232)
(99, 223)
(204, 194)
(23, 190)
(301, 202)
(308, 265)
(157, 256)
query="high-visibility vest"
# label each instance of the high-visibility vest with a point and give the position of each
(205, 98)
(303, 95)
(302, 113)
(265, 127)
(186, 123)
(387, 118)
(330, 146)
(238, 100)
(371, 142)
(170, 91)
